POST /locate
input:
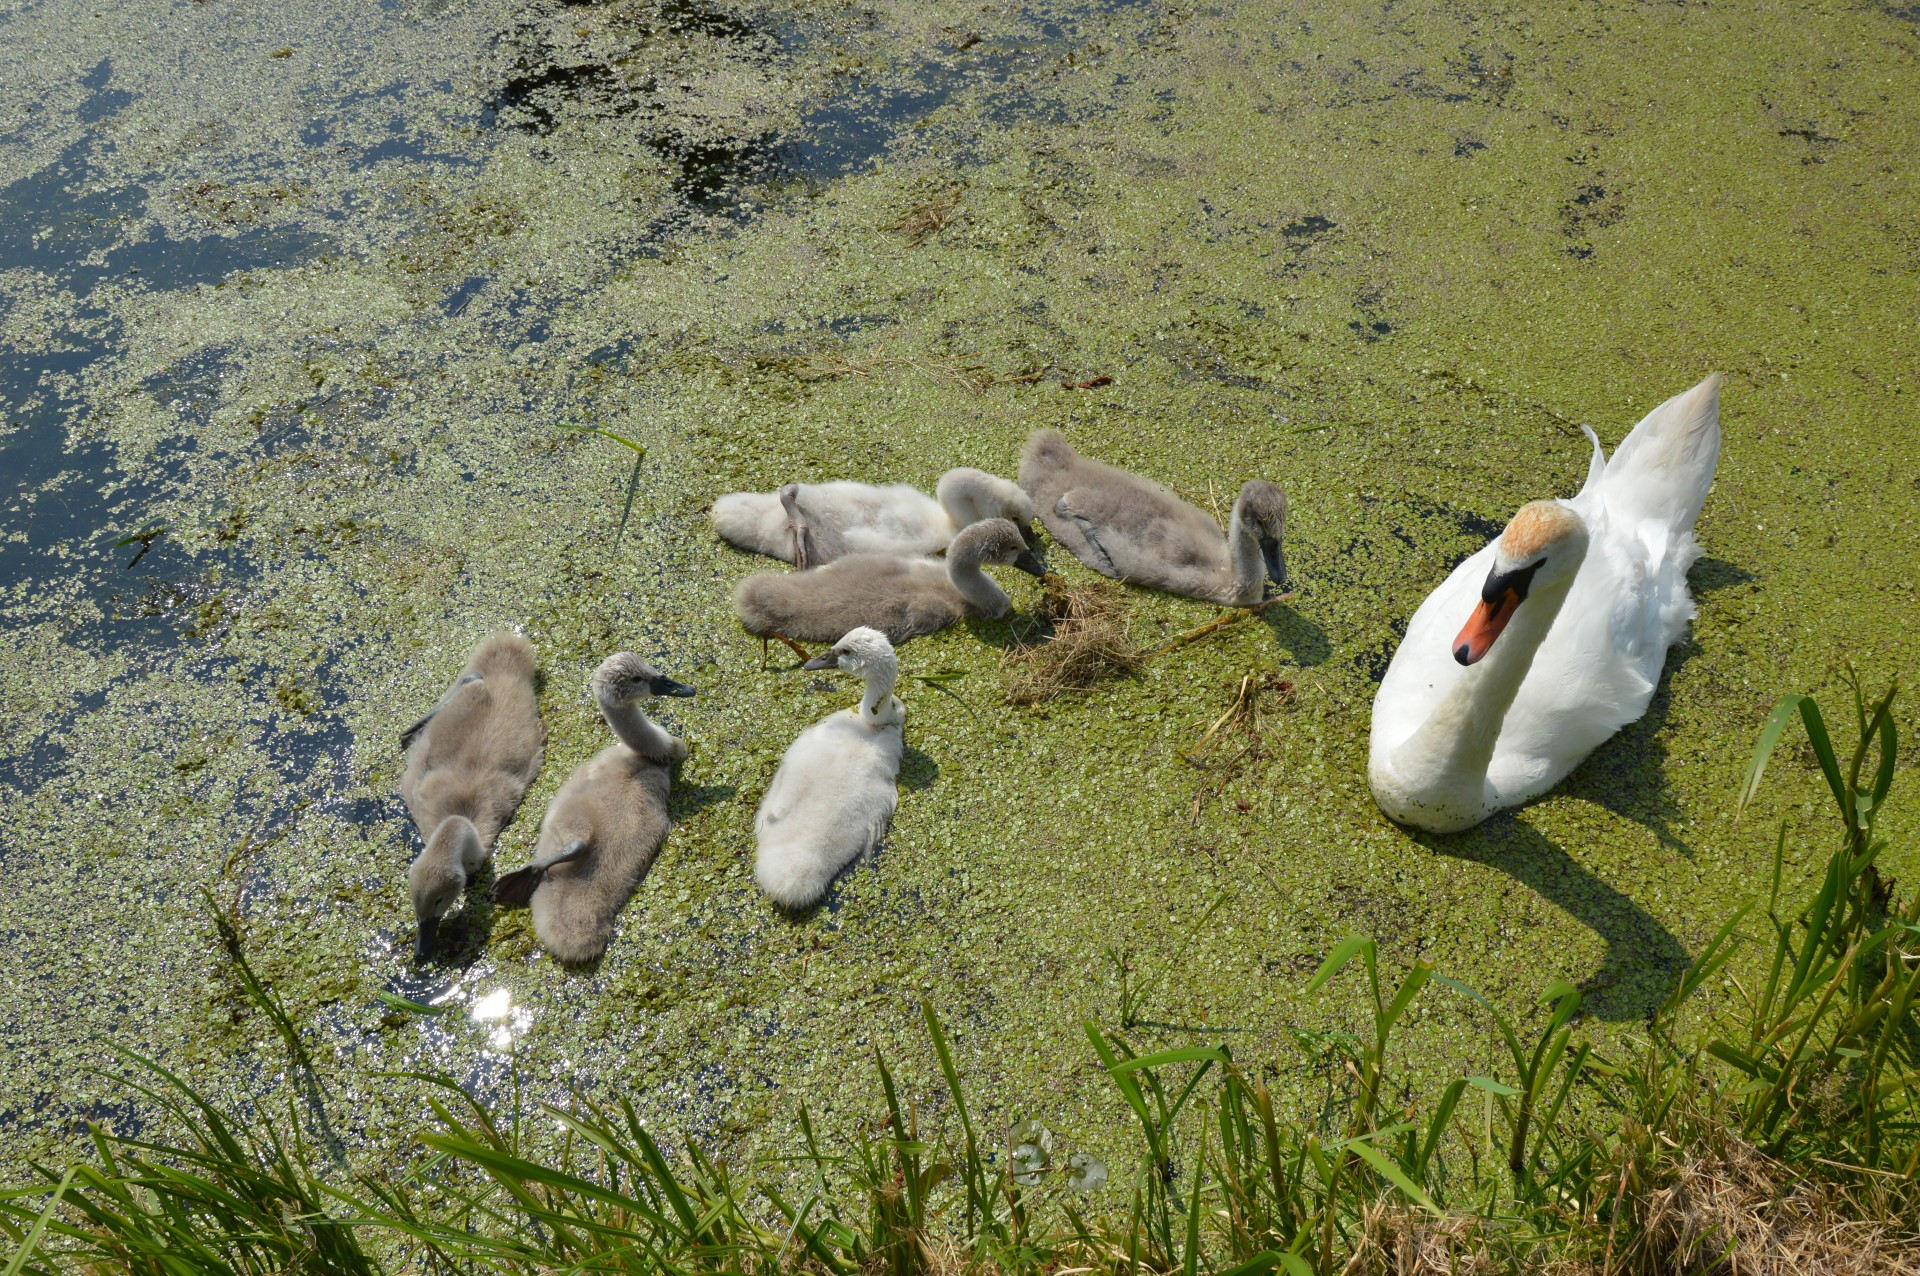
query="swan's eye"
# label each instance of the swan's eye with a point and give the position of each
(1517, 582)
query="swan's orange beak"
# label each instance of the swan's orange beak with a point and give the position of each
(1488, 619)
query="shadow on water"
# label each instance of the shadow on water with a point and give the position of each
(918, 770)
(1642, 959)
(1304, 641)
(688, 800)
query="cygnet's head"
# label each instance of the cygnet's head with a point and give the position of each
(863, 653)
(970, 496)
(1539, 553)
(1264, 505)
(438, 878)
(623, 678)
(996, 540)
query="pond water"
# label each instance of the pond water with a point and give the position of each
(298, 304)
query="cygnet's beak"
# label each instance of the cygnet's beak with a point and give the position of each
(825, 660)
(427, 940)
(1276, 564)
(1488, 619)
(661, 685)
(1030, 534)
(1030, 563)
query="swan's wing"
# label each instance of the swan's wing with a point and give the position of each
(1661, 472)
(1423, 670)
(1598, 667)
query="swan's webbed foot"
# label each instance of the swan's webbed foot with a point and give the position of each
(515, 889)
(797, 527)
(791, 645)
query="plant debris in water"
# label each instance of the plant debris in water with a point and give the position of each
(1085, 644)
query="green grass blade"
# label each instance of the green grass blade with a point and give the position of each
(1186, 1054)
(1340, 956)
(1392, 1173)
(39, 1228)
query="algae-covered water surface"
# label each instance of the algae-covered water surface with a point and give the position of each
(303, 307)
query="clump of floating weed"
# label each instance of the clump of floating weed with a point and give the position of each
(1087, 644)
(927, 218)
(1240, 725)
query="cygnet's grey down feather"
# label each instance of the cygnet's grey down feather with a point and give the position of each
(1135, 530)
(831, 799)
(469, 762)
(813, 524)
(606, 824)
(899, 596)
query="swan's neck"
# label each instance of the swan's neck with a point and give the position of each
(636, 730)
(1248, 565)
(1448, 755)
(957, 504)
(976, 586)
(877, 706)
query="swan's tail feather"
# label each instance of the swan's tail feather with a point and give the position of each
(1045, 447)
(1663, 469)
(1596, 467)
(503, 655)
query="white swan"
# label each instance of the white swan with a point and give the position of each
(831, 799)
(809, 524)
(1584, 597)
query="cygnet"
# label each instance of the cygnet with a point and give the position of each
(469, 762)
(813, 524)
(834, 793)
(606, 824)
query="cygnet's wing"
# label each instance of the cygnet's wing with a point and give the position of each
(408, 736)
(894, 518)
(456, 715)
(1086, 547)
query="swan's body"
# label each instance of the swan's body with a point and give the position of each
(812, 524)
(899, 596)
(606, 823)
(469, 763)
(1589, 594)
(1135, 530)
(830, 801)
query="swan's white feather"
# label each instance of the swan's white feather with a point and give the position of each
(1597, 667)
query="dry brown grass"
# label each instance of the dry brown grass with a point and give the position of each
(1087, 645)
(1735, 1213)
(1746, 1215)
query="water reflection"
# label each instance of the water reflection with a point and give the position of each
(506, 1021)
